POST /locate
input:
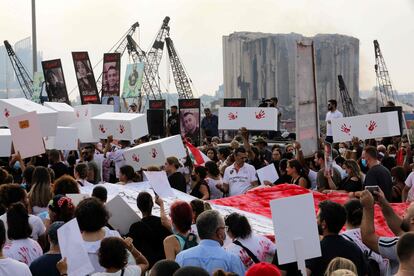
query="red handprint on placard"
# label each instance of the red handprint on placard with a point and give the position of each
(6, 113)
(372, 126)
(135, 157)
(346, 129)
(154, 153)
(232, 116)
(121, 129)
(77, 114)
(101, 128)
(260, 115)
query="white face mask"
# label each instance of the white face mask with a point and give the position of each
(392, 155)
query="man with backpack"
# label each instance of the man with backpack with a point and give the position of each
(209, 254)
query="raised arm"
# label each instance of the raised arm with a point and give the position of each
(165, 221)
(369, 238)
(392, 219)
(140, 259)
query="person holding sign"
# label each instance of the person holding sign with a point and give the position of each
(333, 113)
(331, 218)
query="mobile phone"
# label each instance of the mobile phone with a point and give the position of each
(373, 189)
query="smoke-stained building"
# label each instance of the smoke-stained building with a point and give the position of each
(258, 65)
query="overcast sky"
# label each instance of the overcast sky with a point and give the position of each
(197, 27)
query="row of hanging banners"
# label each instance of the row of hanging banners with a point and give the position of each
(111, 74)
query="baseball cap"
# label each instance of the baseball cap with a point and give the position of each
(263, 269)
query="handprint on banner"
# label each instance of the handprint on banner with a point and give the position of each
(154, 153)
(77, 114)
(101, 128)
(232, 116)
(346, 129)
(260, 115)
(121, 129)
(6, 113)
(372, 126)
(135, 157)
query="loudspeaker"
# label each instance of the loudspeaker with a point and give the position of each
(156, 122)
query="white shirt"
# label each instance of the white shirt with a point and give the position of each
(10, 267)
(24, 250)
(409, 182)
(341, 171)
(239, 181)
(263, 248)
(38, 228)
(214, 192)
(329, 116)
(312, 175)
(130, 270)
(118, 158)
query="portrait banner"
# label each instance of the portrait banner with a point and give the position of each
(38, 80)
(237, 102)
(55, 81)
(86, 80)
(111, 76)
(133, 80)
(190, 119)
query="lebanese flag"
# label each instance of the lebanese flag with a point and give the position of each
(196, 155)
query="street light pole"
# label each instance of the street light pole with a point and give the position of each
(34, 43)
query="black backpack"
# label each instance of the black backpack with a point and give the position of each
(189, 241)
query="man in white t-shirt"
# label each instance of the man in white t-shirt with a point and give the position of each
(8, 266)
(408, 192)
(333, 113)
(239, 177)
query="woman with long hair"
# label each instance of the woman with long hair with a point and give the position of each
(213, 179)
(298, 174)
(200, 188)
(40, 193)
(212, 154)
(20, 246)
(127, 175)
(353, 182)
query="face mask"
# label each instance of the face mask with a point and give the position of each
(364, 162)
(392, 155)
(346, 174)
(342, 150)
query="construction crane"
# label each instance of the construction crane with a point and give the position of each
(119, 47)
(182, 81)
(383, 77)
(154, 56)
(24, 79)
(347, 105)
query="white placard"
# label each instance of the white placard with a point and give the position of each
(369, 126)
(66, 139)
(5, 143)
(122, 216)
(268, 173)
(72, 247)
(159, 182)
(66, 113)
(26, 134)
(76, 198)
(253, 118)
(294, 221)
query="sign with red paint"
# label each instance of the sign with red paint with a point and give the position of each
(253, 118)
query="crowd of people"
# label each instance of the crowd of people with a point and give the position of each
(192, 239)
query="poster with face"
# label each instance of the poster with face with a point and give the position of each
(237, 102)
(111, 75)
(190, 119)
(86, 80)
(55, 81)
(38, 80)
(133, 80)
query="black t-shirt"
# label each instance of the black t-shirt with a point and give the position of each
(59, 169)
(174, 124)
(45, 265)
(381, 176)
(283, 179)
(350, 185)
(148, 235)
(336, 246)
(177, 181)
(196, 190)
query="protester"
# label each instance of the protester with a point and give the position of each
(200, 189)
(46, 264)
(20, 246)
(250, 248)
(56, 163)
(331, 218)
(209, 124)
(127, 175)
(40, 193)
(181, 217)
(94, 174)
(239, 177)
(65, 185)
(332, 113)
(81, 175)
(353, 181)
(209, 254)
(340, 263)
(405, 252)
(212, 154)
(213, 180)
(9, 266)
(148, 234)
(164, 268)
(408, 191)
(398, 177)
(100, 193)
(297, 173)
(61, 208)
(175, 178)
(322, 180)
(198, 206)
(191, 271)
(173, 122)
(263, 269)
